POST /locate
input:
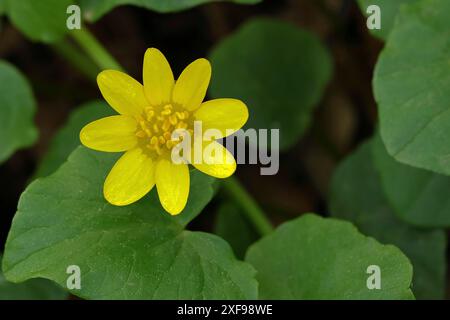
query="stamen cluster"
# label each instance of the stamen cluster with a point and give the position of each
(156, 125)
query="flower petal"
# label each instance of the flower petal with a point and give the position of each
(110, 134)
(222, 114)
(158, 77)
(172, 183)
(190, 88)
(122, 92)
(131, 178)
(219, 163)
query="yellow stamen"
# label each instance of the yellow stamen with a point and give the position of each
(181, 125)
(166, 125)
(167, 136)
(180, 115)
(173, 120)
(156, 126)
(150, 115)
(141, 134)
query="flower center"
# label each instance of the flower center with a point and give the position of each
(156, 125)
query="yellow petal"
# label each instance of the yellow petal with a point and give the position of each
(131, 178)
(172, 183)
(215, 160)
(110, 134)
(122, 92)
(190, 88)
(226, 115)
(158, 77)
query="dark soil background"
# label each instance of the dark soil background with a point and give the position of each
(345, 117)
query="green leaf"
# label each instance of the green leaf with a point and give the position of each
(94, 9)
(389, 10)
(67, 139)
(316, 258)
(356, 195)
(17, 108)
(133, 252)
(35, 289)
(419, 197)
(2, 8)
(411, 84)
(232, 227)
(43, 20)
(278, 70)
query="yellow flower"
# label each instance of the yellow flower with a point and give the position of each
(148, 114)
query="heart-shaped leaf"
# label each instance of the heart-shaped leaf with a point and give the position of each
(17, 108)
(357, 195)
(42, 20)
(34, 289)
(411, 84)
(419, 197)
(94, 9)
(133, 252)
(317, 258)
(278, 70)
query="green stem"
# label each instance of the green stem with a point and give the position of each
(256, 216)
(85, 65)
(95, 49)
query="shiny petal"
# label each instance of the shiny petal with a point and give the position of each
(122, 92)
(172, 183)
(131, 178)
(158, 77)
(190, 88)
(219, 164)
(226, 115)
(110, 134)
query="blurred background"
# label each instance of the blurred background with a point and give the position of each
(345, 116)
